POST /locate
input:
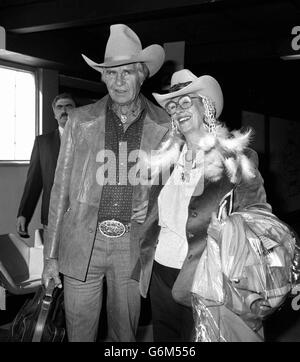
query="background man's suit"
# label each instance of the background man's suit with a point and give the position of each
(40, 176)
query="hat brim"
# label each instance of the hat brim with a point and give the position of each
(153, 56)
(204, 86)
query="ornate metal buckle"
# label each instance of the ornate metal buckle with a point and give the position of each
(112, 228)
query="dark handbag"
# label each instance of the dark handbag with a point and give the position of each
(42, 318)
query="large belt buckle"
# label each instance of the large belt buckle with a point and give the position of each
(112, 228)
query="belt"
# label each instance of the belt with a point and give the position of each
(113, 228)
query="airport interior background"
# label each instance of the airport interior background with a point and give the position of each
(251, 47)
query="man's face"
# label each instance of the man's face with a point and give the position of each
(123, 83)
(61, 110)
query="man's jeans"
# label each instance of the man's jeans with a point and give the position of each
(83, 300)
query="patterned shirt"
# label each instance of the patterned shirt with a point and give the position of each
(116, 200)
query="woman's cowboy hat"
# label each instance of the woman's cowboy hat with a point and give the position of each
(124, 47)
(204, 86)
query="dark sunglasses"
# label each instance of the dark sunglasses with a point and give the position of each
(183, 102)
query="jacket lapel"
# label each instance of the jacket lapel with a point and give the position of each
(153, 134)
(92, 133)
(56, 144)
(51, 145)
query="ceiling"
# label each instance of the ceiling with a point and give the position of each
(217, 30)
(220, 36)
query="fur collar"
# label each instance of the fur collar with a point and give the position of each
(223, 151)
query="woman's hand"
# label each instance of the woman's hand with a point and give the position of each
(216, 225)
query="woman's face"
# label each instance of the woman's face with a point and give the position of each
(187, 113)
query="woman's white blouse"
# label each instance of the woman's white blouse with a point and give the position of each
(173, 204)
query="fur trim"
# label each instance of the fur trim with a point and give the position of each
(213, 165)
(162, 159)
(223, 151)
(231, 167)
(247, 167)
(237, 143)
(208, 142)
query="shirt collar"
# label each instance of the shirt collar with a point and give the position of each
(61, 130)
(110, 102)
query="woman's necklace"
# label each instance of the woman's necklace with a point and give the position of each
(187, 166)
(186, 175)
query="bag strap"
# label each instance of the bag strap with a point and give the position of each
(226, 203)
(45, 307)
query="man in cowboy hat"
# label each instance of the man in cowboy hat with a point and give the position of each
(94, 227)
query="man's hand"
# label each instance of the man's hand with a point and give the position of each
(21, 227)
(51, 272)
(140, 212)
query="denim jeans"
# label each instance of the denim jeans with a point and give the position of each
(83, 299)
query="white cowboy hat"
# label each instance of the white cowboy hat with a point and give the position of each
(204, 86)
(124, 47)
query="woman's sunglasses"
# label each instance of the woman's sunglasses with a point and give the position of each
(183, 102)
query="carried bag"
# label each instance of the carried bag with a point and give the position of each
(41, 319)
(249, 275)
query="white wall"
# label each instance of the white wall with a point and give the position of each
(12, 181)
(13, 177)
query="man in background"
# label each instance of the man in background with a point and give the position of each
(42, 167)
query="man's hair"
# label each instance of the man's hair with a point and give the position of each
(141, 68)
(62, 96)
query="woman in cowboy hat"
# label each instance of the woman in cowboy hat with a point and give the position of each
(191, 249)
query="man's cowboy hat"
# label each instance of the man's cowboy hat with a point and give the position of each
(204, 86)
(124, 47)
